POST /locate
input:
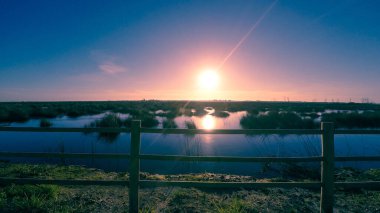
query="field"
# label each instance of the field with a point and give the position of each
(52, 198)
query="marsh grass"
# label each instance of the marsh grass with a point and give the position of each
(113, 120)
(51, 198)
(353, 119)
(110, 120)
(190, 124)
(169, 123)
(276, 120)
(221, 114)
(45, 123)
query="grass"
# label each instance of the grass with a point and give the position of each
(46, 171)
(235, 205)
(28, 198)
(110, 120)
(51, 198)
(169, 123)
(276, 120)
(113, 120)
(190, 124)
(353, 119)
(23, 111)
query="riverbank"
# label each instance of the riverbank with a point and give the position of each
(52, 198)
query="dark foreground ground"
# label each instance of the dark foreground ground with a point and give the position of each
(53, 198)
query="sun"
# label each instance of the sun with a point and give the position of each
(208, 79)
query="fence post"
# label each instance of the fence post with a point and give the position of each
(327, 170)
(134, 167)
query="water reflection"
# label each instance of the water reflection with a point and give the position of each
(208, 122)
(192, 145)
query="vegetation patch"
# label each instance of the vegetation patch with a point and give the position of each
(221, 114)
(190, 124)
(28, 198)
(110, 120)
(51, 198)
(353, 119)
(45, 123)
(169, 123)
(276, 120)
(348, 115)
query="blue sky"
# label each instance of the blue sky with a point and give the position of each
(122, 50)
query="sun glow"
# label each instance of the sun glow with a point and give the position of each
(208, 122)
(208, 80)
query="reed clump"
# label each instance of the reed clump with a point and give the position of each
(45, 123)
(110, 120)
(190, 124)
(276, 120)
(169, 124)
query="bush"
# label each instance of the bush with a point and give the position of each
(276, 120)
(110, 120)
(169, 123)
(190, 124)
(221, 114)
(45, 123)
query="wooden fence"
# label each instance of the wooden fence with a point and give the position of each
(327, 159)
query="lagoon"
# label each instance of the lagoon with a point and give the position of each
(191, 145)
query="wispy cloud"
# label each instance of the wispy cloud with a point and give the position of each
(112, 68)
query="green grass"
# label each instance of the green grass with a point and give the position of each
(147, 120)
(235, 205)
(28, 198)
(47, 171)
(51, 198)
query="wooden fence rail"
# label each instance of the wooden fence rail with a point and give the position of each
(327, 159)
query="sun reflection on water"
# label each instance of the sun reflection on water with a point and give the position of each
(208, 122)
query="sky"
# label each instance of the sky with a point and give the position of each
(284, 50)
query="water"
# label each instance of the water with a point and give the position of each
(191, 145)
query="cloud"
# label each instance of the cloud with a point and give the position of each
(112, 68)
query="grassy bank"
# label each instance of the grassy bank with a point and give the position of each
(52, 198)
